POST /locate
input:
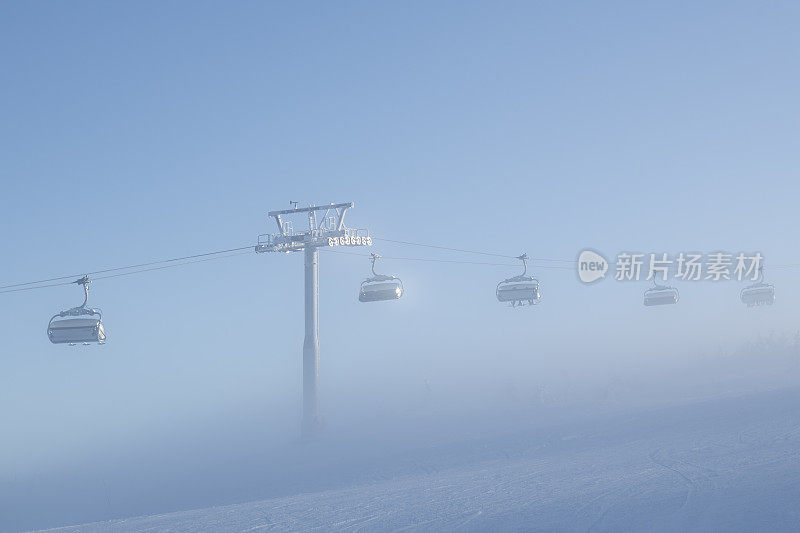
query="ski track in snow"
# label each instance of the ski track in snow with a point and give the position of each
(710, 465)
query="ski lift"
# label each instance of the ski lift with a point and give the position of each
(660, 295)
(379, 287)
(519, 290)
(759, 293)
(79, 324)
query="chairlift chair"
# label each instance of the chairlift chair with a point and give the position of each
(519, 290)
(759, 293)
(660, 295)
(380, 287)
(80, 324)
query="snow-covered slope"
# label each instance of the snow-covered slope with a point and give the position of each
(727, 464)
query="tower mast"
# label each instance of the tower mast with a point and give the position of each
(325, 228)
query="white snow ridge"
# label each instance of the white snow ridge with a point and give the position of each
(726, 464)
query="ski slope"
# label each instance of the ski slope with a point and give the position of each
(730, 463)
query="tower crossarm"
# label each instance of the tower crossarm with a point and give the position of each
(325, 228)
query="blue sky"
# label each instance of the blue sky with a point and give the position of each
(153, 130)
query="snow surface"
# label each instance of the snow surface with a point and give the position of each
(724, 464)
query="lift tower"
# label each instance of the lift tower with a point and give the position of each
(325, 228)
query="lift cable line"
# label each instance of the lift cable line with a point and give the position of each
(139, 271)
(206, 260)
(117, 269)
(549, 260)
(447, 261)
(45, 283)
(426, 259)
(38, 287)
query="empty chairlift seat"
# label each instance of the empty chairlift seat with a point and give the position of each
(759, 293)
(74, 330)
(79, 325)
(380, 287)
(376, 290)
(660, 295)
(519, 290)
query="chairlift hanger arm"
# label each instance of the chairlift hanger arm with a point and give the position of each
(85, 281)
(374, 257)
(524, 258)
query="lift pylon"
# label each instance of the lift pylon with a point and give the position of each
(325, 228)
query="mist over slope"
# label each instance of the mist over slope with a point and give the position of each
(728, 464)
(681, 445)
